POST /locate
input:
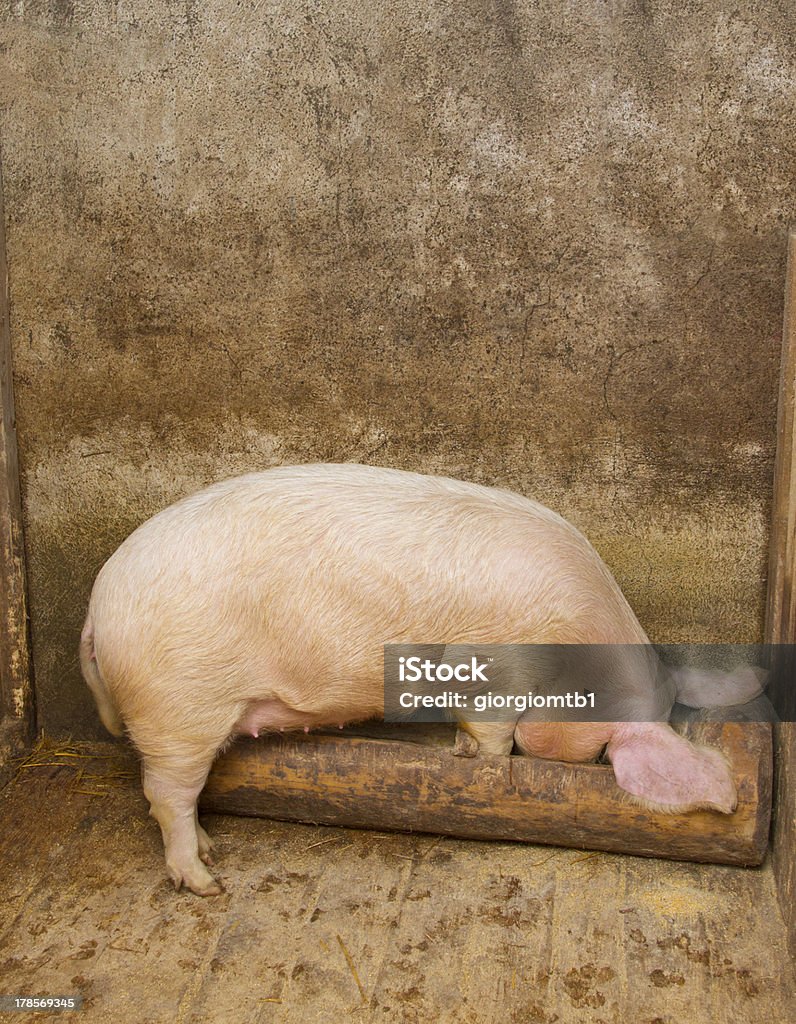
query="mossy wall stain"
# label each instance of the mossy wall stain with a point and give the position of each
(534, 245)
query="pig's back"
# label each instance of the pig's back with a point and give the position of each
(316, 565)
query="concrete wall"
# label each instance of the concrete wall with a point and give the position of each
(533, 244)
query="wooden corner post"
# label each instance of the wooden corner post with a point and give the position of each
(781, 606)
(16, 690)
(781, 609)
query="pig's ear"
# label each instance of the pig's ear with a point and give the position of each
(667, 773)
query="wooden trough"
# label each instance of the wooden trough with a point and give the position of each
(411, 778)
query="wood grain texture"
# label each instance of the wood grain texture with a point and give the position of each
(16, 693)
(363, 782)
(781, 607)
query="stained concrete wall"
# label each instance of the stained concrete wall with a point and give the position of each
(533, 244)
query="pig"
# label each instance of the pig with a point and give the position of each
(262, 604)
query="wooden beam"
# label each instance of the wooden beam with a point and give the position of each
(781, 610)
(16, 691)
(362, 782)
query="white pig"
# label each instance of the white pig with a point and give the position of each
(263, 603)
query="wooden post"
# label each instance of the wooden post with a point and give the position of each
(16, 691)
(781, 609)
(780, 605)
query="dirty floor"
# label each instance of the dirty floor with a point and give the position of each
(319, 924)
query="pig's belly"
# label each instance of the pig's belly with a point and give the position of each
(275, 716)
(302, 707)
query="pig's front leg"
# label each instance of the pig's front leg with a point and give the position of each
(493, 738)
(172, 788)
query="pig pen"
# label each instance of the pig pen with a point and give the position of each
(524, 245)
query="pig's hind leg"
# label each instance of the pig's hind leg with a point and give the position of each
(172, 784)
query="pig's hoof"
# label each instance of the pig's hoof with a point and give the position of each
(465, 745)
(197, 879)
(214, 889)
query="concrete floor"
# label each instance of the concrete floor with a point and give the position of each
(321, 923)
